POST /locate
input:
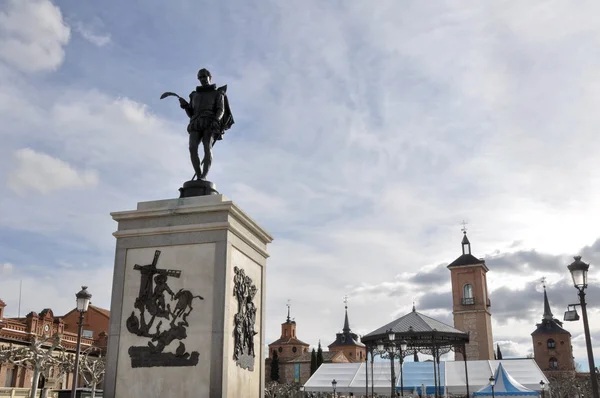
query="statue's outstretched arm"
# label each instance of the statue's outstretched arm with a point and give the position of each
(186, 106)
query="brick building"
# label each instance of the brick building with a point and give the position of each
(294, 355)
(471, 304)
(348, 343)
(20, 331)
(552, 349)
(95, 322)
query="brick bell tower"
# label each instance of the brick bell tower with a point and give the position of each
(552, 347)
(471, 304)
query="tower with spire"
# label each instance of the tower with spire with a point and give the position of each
(288, 346)
(471, 304)
(552, 349)
(347, 342)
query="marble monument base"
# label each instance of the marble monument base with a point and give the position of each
(187, 312)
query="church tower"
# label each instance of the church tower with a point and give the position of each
(288, 346)
(471, 304)
(552, 347)
(347, 342)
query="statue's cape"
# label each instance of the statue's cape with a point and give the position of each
(227, 120)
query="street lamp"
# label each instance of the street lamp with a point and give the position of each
(579, 271)
(403, 345)
(543, 385)
(333, 384)
(83, 301)
(492, 383)
(392, 348)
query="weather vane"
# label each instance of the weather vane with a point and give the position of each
(346, 301)
(464, 228)
(543, 280)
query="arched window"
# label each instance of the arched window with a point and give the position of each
(294, 349)
(468, 290)
(468, 295)
(553, 363)
(551, 343)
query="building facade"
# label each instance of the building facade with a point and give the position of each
(471, 304)
(349, 343)
(21, 331)
(294, 356)
(552, 349)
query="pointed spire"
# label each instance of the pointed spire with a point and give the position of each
(288, 316)
(498, 352)
(547, 311)
(346, 323)
(414, 309)
(466, 245)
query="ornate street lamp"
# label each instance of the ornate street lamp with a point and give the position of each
(403, 345)
(492, 383)
(83, 302)
(333, 384)
(579, 271)
(543, 385)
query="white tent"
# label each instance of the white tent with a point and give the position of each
(351, 377)
(505, 386)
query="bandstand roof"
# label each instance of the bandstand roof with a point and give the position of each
(414, 325)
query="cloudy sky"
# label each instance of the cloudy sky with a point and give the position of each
(364, 135)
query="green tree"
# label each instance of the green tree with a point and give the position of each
(313, 362)
(319, 355)
(275, 367)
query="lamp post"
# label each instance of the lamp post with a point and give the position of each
(543, 385)
(391, 350)
(403, 345)
(83, 301)
(492, 383)
(333, 384)
(579, 271)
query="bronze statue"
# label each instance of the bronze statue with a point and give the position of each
(210, 116)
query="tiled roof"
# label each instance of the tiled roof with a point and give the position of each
(101, 310)
(346, 339)
(289, 341)
(327, 356)
(548, 326)
(466, 259)
(418, 322)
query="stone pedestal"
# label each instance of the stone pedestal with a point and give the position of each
(188, 301)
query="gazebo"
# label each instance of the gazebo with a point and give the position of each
(410, 334)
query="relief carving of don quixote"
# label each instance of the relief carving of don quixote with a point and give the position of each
(244, 320)
(163, 320)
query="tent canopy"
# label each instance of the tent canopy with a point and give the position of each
(505, 385)
(351, 377)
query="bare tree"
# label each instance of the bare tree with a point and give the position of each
(92, 368)
(287, 390)
(39, 356)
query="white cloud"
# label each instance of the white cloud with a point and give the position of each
(58, 289)
(43, 173)
(32, 35)
(90, 35)
(6, 268)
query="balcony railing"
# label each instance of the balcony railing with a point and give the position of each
(468, 301)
